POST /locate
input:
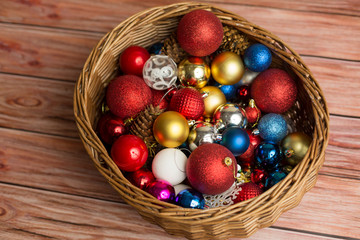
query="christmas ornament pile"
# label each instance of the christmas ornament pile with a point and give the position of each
(202, 126)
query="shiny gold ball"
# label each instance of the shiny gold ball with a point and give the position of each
(294, 146)
(214, 97)
(171, 129)
(227, 68)
(193, 72)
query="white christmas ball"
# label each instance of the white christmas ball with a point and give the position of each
(178, 188)
(160, 72)
(169, 165)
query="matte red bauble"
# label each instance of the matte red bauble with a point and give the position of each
(200, 33)
(132, 60)
(129, 152)
(159, 99)
(247, 191)
(210, 169)
(141, 178)
(128, 95)
(274, 91)
(253, 113)
(110, 127)
(188, 102)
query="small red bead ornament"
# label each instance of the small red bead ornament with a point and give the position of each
(274, 91)
(129, 152)
(211, 168)
(159, 99)
(110, 127)
(200, 33)
(188, 102)
(133, 59)
(141, 178)
(128, 95)
(253, 113)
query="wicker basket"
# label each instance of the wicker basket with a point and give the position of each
(242, 219)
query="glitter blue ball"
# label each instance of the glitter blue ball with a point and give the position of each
(236, 140)
(257, 57)
(274, 177)
(190, 198)
(267, 155)
(272, 127)
(228, 90)
(156, 48)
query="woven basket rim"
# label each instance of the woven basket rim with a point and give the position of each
(150, 205)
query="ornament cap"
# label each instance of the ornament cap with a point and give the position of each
(228, 161)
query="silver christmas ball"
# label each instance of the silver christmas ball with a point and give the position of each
(247, 78)
(201, 133)
(229, 115)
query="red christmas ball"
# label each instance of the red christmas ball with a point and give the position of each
(159, 99)
(255, 139)
(258, 176)
(188, 102)
(110, 127)
(253, 114)
(170, 93)
(132, 60)
(200, 33)
(247, 191)
(210, 168)
(243, 93)
(129, 153)
(274, 91)
(249, 152)
(128, 95)
(141, 178)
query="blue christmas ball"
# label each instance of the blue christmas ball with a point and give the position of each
(189, 198)
(257, 57)
(156, 48)
(267, 155)
(236, 140)
(272, 127)
(274, 177)
(228, 90)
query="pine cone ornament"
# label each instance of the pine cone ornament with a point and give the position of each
(142, 126)
(172, 49)
(234, 41)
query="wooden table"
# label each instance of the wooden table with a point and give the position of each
(49, 188)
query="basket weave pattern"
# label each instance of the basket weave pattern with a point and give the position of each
(309, 113)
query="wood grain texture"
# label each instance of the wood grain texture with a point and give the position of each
(60, 216)
(37, 105)
(298, 33)
(60, 54)
(57, 54)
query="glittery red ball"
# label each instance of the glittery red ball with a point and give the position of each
(158, 99)
(110, 127)
(132, 60)
(206, 169)
(247, 191)
(129, 152)
(274, 91)
(141, 178)
(188, 102)
(252, 114)
(128, 95)
(200, 33)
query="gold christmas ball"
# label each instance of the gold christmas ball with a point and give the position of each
(193, 72)
(227, 68)
(294, 146)
(171, 129)
(213, 98)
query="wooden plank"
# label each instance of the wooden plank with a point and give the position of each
(35, 214)
(38, 105)
(298, 32)
(331, 207)
(68, 164)
(50, 162)
(58, 54)
(38, 54)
